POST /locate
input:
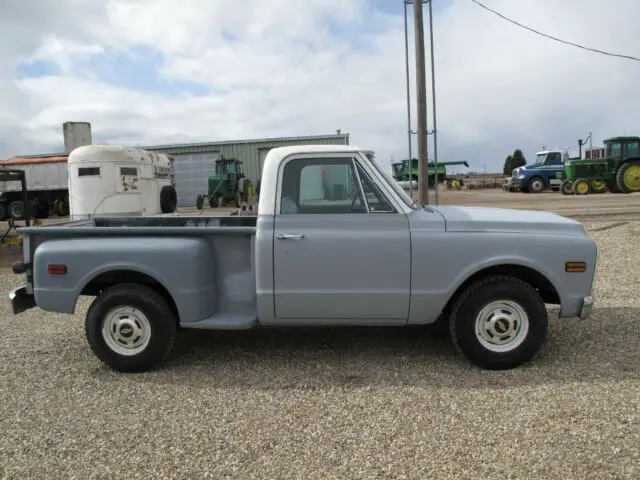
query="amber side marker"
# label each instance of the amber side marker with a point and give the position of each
(575, 267)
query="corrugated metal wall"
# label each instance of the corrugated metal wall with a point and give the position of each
(194, 163)
(191, 173)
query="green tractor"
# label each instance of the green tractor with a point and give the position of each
(402, 172)
(618, 171)
(224, 185)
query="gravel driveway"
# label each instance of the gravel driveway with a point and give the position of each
(353, 403)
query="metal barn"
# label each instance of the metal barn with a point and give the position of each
(194, 162)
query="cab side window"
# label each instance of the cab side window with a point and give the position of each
(324, 186)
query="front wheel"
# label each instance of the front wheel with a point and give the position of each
(499, 323)
(536, 185)
(130, 327)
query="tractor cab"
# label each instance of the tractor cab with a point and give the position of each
(622, 148)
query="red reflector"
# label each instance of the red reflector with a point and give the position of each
(57, 269)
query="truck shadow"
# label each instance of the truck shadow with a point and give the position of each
(604, 348)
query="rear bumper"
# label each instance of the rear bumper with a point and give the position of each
(586, 307)
(21, 300)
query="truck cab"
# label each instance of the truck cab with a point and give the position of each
(542, 173)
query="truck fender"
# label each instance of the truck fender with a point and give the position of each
(497, 264)
(154, 276)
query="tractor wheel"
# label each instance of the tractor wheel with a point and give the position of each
(536, 185)
(581, 187)
(628, 177)
(567, 187)
(455, 184)
(246, 187)
(598, 186)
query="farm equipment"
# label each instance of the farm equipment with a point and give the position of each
(224, 185)
(403, 173)
(618, 171)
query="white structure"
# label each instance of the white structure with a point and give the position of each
(113, 180)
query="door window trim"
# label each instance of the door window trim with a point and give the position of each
(351, 157)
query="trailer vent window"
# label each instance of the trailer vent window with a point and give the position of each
(89, 171)
(130, 171)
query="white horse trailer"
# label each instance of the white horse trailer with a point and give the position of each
(114, 180)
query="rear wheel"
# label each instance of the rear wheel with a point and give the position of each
(628, 177)
(16, 210)
(130, 327)
(214, 200)
(499, 322)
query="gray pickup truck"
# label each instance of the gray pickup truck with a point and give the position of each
(335, 242)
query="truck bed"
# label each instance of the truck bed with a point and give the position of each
(207, 263)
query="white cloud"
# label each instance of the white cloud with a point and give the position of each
(499, 87)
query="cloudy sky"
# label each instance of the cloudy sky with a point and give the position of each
(164, 71)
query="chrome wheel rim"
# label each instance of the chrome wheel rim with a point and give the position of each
(501, 326)
(126, 330)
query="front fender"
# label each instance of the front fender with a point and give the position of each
(185, 267)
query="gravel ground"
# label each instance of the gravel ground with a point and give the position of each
(330, 404)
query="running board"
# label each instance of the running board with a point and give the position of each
(225, 321)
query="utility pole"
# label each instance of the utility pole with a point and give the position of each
(433, 101)
(423, 168)
(406, 58)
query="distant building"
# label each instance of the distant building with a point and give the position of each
(594, 152)
(194, 162)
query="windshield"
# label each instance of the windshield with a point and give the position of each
(540, 158)
(401, 193)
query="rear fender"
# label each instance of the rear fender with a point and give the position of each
(185, 267)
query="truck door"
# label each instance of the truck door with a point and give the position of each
(339, 255)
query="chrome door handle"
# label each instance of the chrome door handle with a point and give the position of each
(289, 236)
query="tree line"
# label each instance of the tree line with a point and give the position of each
(514, 161)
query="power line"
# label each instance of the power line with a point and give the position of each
(628, 57)
(299, 64)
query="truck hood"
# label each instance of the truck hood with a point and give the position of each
(482, 219)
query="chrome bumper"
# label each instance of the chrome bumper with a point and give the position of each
(587, 306)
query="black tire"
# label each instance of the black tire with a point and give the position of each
(622, 186)
(16, 210)
(580, 182)
(567, 187)
(246, 185)
(62, 208)
(161, 320)
(168, 199)
(41, 207)
(468, 306)
(3, 212)
(536, 185)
